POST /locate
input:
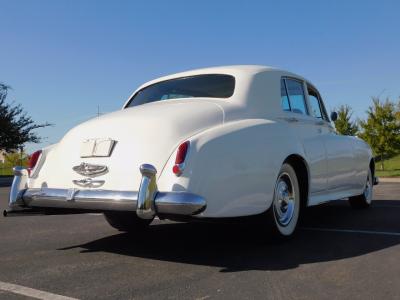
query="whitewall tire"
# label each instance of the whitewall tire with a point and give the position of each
(365, 199)
(285, 208)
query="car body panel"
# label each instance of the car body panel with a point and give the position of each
(237, 147)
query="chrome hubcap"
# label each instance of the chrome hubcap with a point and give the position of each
(284, 202)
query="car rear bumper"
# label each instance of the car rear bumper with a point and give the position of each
(146, 202)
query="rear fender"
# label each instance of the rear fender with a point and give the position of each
(233, 166)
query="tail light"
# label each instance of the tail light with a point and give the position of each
(180, 158)
(33, 159)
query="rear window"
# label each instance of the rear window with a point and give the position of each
(210, 85)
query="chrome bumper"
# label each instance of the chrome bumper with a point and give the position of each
(147, 202)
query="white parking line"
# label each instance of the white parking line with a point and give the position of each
(352, 231)
(29, 292)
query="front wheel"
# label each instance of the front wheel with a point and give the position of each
(365, 199)
(126, 221)
(285, 209)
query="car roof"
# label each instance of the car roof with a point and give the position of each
(234, 70)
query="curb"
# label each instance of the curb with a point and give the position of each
(389, 179)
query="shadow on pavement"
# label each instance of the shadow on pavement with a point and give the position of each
(6, 181)
(246, 246)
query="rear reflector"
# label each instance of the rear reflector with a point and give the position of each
(183, 148)
(33, 159)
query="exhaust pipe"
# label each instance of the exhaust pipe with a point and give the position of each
(21, 212)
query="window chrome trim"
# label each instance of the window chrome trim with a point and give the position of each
(322, 108)
(305, 96)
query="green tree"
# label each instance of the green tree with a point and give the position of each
(381, 129)
(344, 125)
(398, 110)
(13, 159)
(16, 127)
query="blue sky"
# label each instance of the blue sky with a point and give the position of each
(63, 59)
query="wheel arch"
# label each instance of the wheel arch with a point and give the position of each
(301, 168)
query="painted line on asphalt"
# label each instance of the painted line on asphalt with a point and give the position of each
(352, 231)
(29, 292)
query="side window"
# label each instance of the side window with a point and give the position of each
(297, 101)
(284, 97)
(317, 108)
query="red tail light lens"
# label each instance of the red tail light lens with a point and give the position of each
(181, 154)
(180, 158)
(33, 159)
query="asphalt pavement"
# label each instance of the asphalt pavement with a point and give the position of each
(338, 253)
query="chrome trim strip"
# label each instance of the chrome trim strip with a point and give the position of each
(147, 202)
(81, 199)
(170, 202)
(18, 187)
(86, 169)
(147, 192)
(88, 182)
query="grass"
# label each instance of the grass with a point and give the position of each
(392, 167)
(5, 172)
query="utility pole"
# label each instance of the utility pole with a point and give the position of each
(98, 110)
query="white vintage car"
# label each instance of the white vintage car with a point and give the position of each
(212, 143)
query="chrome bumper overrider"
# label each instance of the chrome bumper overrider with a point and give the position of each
(147, 202)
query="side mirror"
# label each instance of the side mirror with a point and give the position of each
(333, 116)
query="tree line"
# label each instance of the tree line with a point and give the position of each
(380, 129)
(16, 127)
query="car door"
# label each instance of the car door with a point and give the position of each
(307, 129)
(339, 150)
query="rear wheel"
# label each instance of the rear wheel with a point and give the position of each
(285, 209)
(365, 199)
(126, 221)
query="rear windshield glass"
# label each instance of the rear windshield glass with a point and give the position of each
(211, 85)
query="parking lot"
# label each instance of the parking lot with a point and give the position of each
(338, 253)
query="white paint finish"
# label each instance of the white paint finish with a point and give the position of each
(146, 134)
(311, 137)
(341, 162)
(29, 292)
(237, 147)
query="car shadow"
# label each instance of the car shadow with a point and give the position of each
(241, 246)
